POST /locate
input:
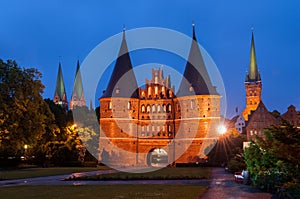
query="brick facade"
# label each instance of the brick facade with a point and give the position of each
(131, 128)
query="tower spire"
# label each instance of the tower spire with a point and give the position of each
(253, 74)
(194, 34)
(60, 96)
(195, 78)
(77, 98)
(253, 83)
(122, 82)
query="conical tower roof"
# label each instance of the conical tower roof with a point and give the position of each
(78, 88)
(253, 74)
(195, 78)
(60, 90)
(122, 82)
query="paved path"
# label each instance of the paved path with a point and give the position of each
(223, 187)
(52, 180)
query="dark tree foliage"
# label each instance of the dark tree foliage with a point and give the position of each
(274, 161)
(24, 116)
(228, 151)
(97, 110)
(60, 147)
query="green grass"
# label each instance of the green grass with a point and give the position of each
(104, 191)
(38, 172)
(162, 174)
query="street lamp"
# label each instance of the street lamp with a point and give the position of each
(25, 152)
(222, 129)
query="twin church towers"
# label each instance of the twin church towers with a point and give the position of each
(60, 96)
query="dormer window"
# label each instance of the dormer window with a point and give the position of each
(117, 90)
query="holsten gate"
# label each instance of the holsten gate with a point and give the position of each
(153, 125)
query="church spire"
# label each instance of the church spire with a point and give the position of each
(253, 84)
(60, 96)
(77, 98)
(122, 82)
(195, 78)
(253, 74)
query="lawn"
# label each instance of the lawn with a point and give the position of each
(104, 191)
(38, 172)
(161, 174)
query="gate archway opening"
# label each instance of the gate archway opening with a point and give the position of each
(157, 158)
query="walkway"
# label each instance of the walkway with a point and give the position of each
(223, 187)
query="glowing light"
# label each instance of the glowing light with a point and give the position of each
(222, 129)
(25, 146)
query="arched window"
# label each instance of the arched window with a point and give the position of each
(148, 108)
(156, 79)
(192, 104)
(153, 108)
(143, 129)
(153, 128)
(156, 90)
(169, 128)
(158, 108)
(129, 105)
(169, 108)
(110, 105)
(158, 128)
(149, 91)
(164, 108)
(143, 108)
(147, 129)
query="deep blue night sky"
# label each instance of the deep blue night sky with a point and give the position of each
(36, 33)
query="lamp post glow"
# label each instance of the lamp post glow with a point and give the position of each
(222, 129)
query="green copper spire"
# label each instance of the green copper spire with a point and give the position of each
(78, 88)
(60, 96)
(60, 85)
(253, 74)
(77, 98)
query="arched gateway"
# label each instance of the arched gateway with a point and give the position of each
(157, 158)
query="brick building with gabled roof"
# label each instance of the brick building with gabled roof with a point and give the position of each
(153, 125)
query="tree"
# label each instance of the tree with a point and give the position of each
(59, 148)
(274, 161)
(24, 116)
(88, 132)
(71, 139)
(228, 150)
